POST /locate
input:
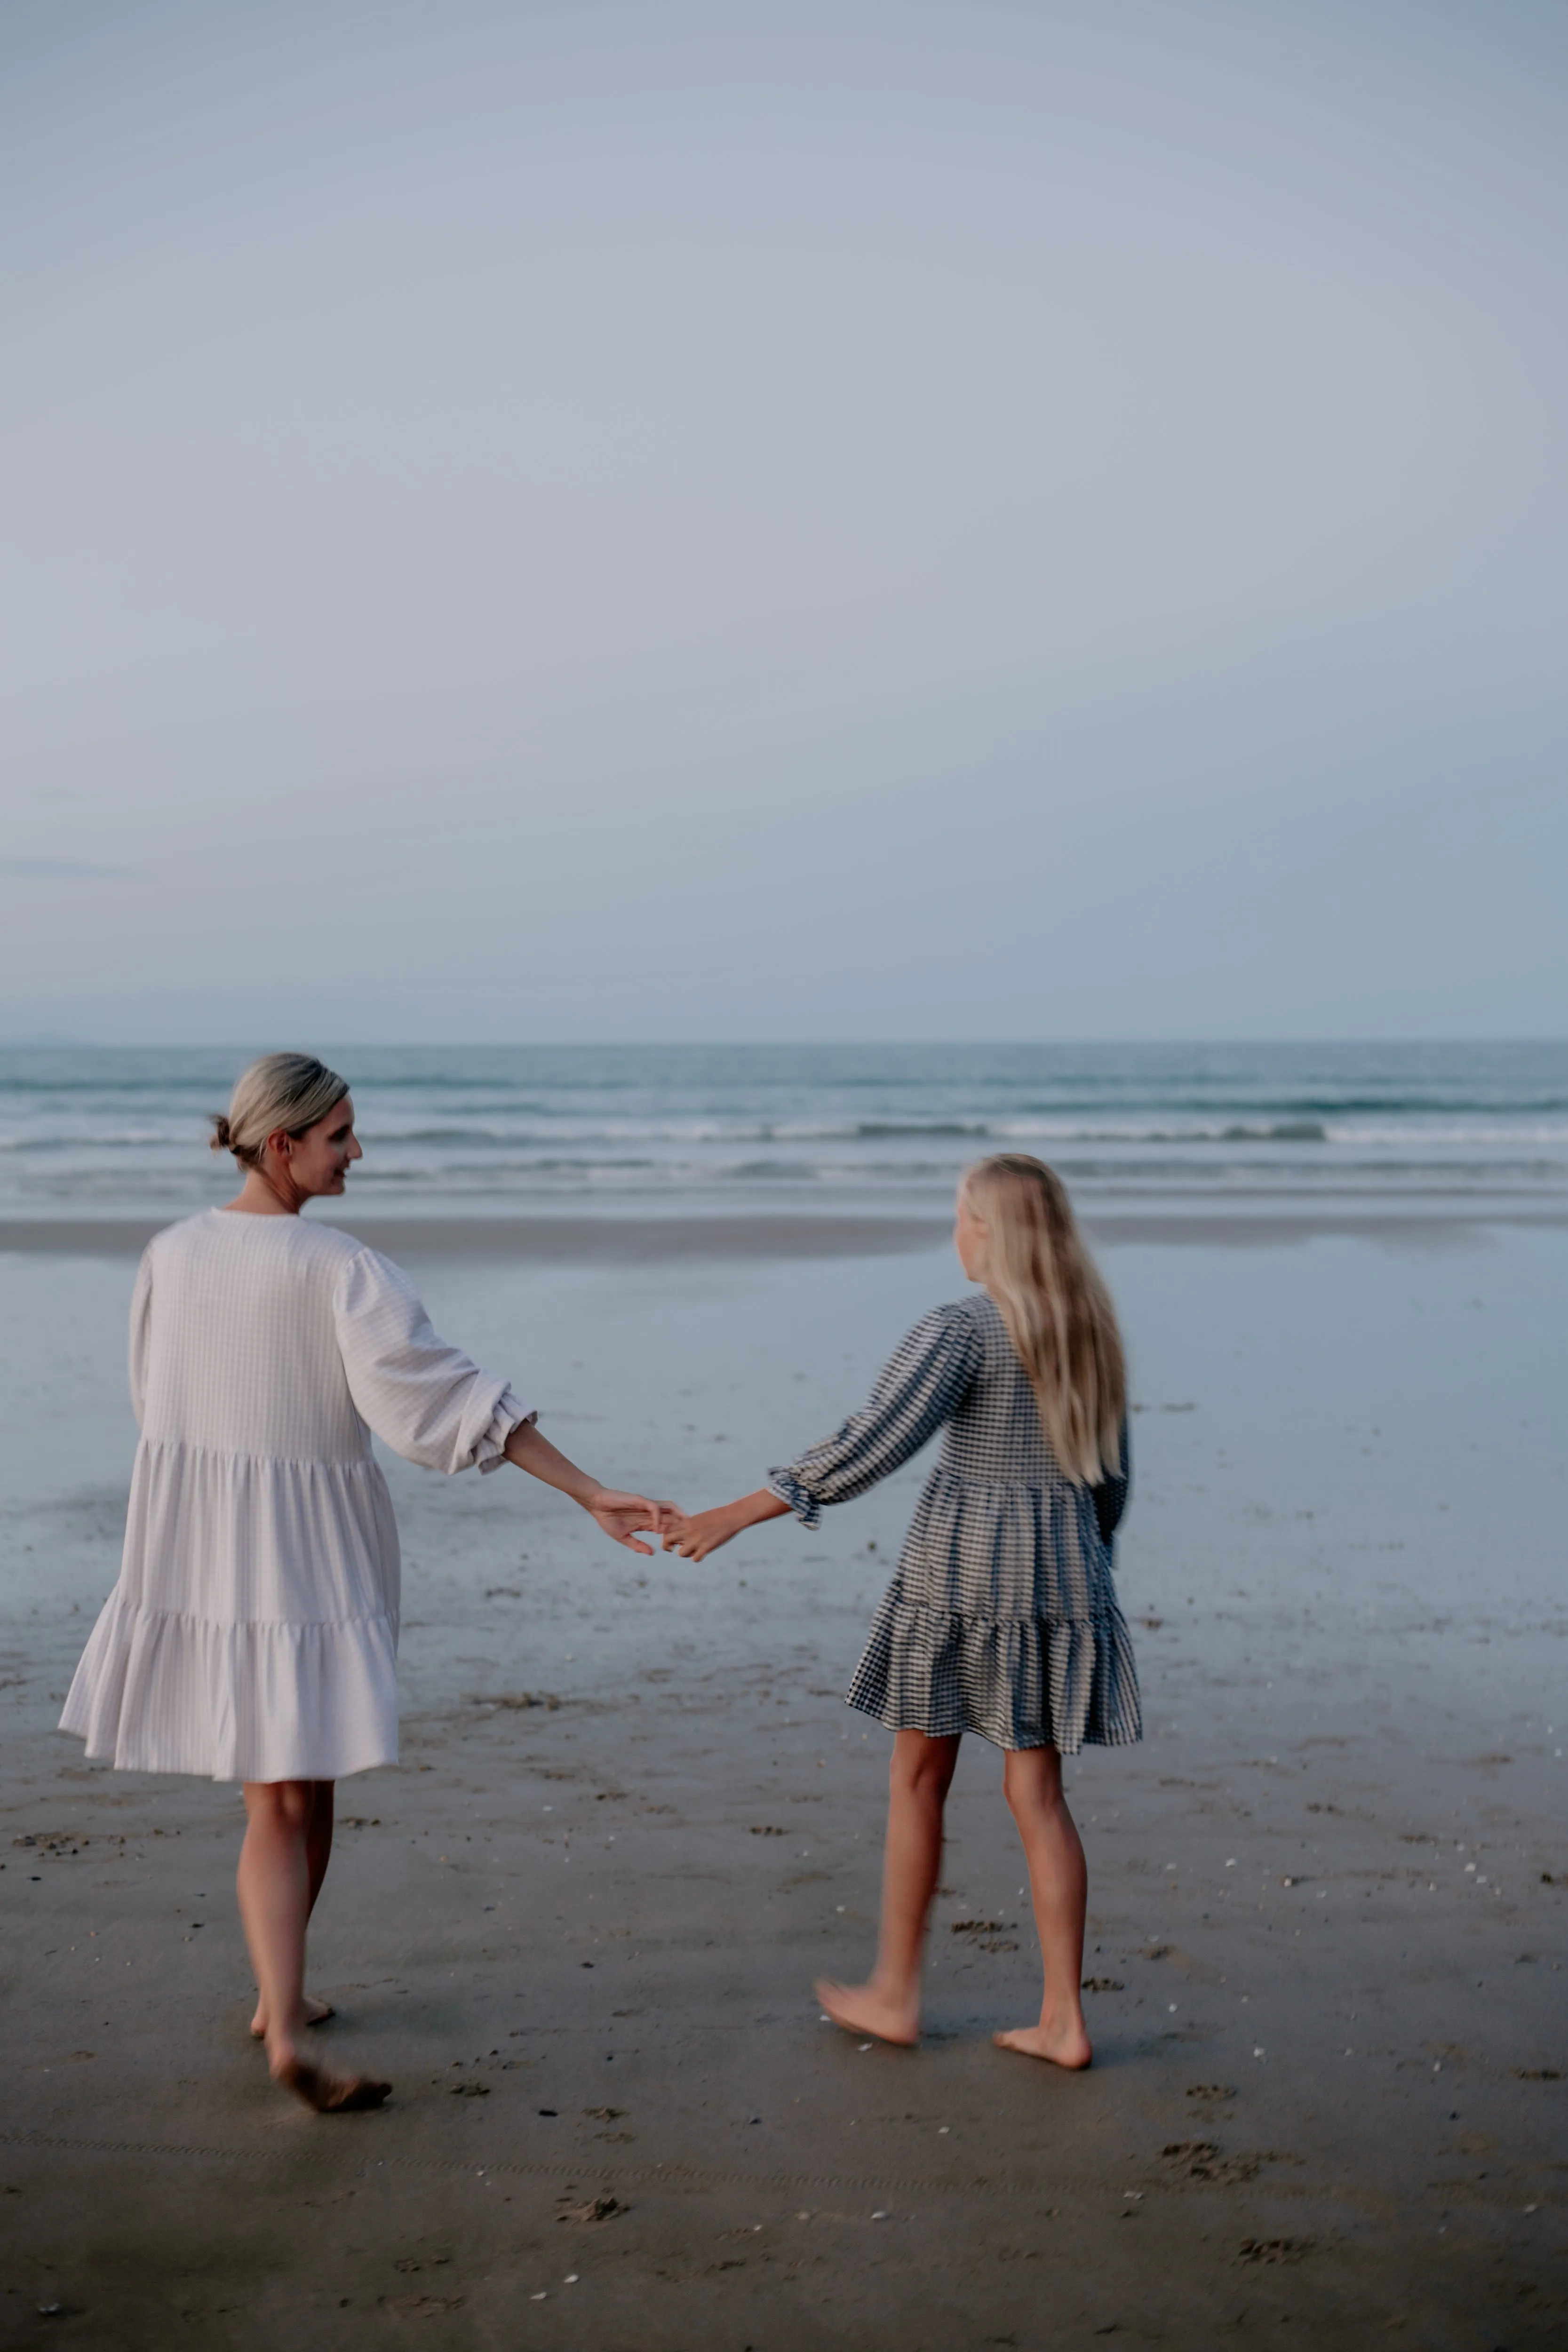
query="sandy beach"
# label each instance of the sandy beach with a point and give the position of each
(578, 1925)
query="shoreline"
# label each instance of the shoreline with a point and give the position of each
(645, 1241)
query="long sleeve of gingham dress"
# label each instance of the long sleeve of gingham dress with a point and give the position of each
(1002, 1618)
(253, 1633)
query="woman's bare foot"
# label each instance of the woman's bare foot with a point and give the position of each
(329, 2095)
(861, 2009)
(316, 2013)
(1062, 2046)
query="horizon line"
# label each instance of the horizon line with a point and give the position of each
(44, 1041)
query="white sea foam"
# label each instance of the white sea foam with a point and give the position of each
(101, 1130)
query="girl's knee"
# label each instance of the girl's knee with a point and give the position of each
(1026, 1803)
(922, 1764)
(1032, 1778)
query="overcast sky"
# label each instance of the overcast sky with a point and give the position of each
(563, 521)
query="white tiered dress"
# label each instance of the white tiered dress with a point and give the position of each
(253, 1633)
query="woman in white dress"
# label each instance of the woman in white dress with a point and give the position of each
(252, 1635)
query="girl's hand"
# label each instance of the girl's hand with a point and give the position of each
(696, 1537)
(621, 1515)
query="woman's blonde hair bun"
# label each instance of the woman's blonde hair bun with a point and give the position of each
(1057, 1309)
(291, 1091)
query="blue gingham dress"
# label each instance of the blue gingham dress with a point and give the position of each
(1002, 1618)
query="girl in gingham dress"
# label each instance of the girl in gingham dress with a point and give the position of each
(1002, 1618)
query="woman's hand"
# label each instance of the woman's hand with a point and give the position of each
(620, 1515)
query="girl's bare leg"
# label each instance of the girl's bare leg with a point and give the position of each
(1059, 1883)
(318, 1854)
(888, 2004)
(274, 1883)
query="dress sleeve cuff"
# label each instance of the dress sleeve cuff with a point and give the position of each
(788, 1489)
(490, 1451)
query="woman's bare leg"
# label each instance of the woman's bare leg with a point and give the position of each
(1059, 1883)
(888, 2004)
(274, 1886)
(275, 1897)
(318, 1854)
(319, 1835)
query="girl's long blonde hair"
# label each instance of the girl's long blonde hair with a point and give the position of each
(1057, 1309)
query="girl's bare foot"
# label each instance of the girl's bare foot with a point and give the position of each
(861, 2009)
(1062, 2046)
(316, 2013)
(329, 2095)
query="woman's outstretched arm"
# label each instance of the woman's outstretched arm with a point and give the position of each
(618, 1514)
(695, 1537)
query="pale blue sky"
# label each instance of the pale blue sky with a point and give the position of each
(774, 521)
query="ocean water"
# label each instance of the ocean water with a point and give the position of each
(103, 1131)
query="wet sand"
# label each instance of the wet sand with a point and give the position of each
(578, 1926)
(1246, 1223)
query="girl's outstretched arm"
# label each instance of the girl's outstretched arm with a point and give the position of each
(619, 1515)
(695, 1537)
(922, 1384)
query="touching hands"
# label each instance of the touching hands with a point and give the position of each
(704, 1531)
(621, 1516)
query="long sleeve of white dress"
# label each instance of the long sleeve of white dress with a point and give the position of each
(429, 1401)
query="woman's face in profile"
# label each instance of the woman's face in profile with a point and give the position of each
(320, 1159)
